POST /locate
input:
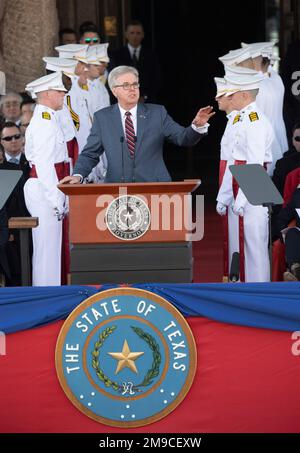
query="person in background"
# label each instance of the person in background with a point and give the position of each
(14, 159)
(88, 34)
(289, 162)
(10, 107)
(67, 36)
(27, 105)
(135, 54)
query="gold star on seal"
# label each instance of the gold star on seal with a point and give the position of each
(126, 358)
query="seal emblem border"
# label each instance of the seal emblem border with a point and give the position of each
(111, 207)
(121, 292)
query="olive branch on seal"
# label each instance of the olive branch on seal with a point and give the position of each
(151, 373)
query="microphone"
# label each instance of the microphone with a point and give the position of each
(122, 149)
(234, 274)
(133, 169)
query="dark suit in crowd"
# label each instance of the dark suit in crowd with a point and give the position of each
(292, 240)
(147, 66)
(15, 207)
(283, 167)
(4, 266)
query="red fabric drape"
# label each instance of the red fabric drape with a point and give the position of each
(247, 380)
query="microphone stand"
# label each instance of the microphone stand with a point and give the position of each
(133, 170)
(122, 149)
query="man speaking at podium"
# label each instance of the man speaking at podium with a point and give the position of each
(132, 135)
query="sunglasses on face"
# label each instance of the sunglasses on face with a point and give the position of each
(89, 40)
(296, 138)
(9, 138)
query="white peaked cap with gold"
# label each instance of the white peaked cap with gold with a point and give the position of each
(223, 87)
(89, 56)
(49, 82)
(70, 50)
(61, 64)
(101, 52)
(235, 57)
(244, 82)
(2, 84)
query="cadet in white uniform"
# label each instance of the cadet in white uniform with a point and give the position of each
(229, 219)
(46, 151)
(252, 143)
(92, 92)
(270, 98)
(67, 116)
(76, 96)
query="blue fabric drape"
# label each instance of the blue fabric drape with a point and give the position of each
(263, 305)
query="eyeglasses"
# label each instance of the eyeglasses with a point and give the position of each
(296, 138)
(10, 104)
(89, 40)
(9, 138)
(128, 86)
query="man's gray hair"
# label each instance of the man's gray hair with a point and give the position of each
(119, 71)
(11, 94)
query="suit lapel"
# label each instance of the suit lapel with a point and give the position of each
(117, 121)
(142, 117)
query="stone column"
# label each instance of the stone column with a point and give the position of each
(29, 31)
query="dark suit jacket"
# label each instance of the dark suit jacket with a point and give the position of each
(4, 266)
(283, 167)
(154, 125)
(148, 67)
(15, 207)
(287, 214)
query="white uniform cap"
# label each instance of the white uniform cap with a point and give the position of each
(60, 64)
(81, 54)
(234, 70)
(257, 49)
(2, 84)
(49, 82)
(235, 57)
(89, 57)
(101, 51)
(245, 82)
(223, 87)
(70, 50)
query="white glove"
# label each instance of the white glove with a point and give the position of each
(59, 214)
(221, 208)
(238, 210)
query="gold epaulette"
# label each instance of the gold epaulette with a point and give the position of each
(253, 116)
(46, 116)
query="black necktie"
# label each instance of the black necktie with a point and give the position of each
(134, 59)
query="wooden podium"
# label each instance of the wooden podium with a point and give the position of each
(131, 232)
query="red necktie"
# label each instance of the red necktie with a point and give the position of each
(129, 132)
